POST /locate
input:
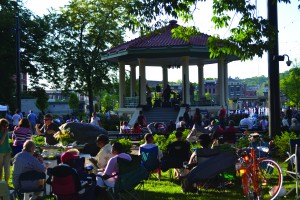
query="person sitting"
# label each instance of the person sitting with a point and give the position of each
(49, 129)
(196, 131)
(263, 123)
(66, 182)
(25, 161)
(171, 127)
(136, 128)
(151, 155)
(229, 134)
(109, 176)
(295, 126)
(205, 142)
(125, 128)
(177, 153)
(102, 157)
(246, 122)
(149, 143)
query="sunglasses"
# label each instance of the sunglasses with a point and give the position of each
(47, 119)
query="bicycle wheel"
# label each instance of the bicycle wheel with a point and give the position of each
(269, 179)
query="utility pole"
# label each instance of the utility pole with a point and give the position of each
(273, 74)
(18, 69)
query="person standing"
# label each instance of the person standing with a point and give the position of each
(8, 116)
(16, 118)
(142, 119)
(149, 96)
(21, 133)
(5, 150)
(187, 117)
(32, 117)
(49, 129)
(167, 95)
(95, 120)
(222, 116)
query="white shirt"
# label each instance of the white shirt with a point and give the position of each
(103, 156)
(95, 121)
(248, 122)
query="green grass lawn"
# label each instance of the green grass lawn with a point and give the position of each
(168, 189)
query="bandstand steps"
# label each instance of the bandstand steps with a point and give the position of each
(161, 115)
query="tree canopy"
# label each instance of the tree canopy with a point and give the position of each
(31, 34)
(75, 39)
(290, 85)
(247, 39)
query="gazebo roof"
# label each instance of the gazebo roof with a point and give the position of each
(160, 48)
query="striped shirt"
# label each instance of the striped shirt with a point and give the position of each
(20, 135)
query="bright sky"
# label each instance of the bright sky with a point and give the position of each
(289, 41)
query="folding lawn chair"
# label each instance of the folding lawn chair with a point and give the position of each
(130, 179)
(294, 164)
(31, 181)
(150, 160)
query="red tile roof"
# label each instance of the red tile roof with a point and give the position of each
(162, 38)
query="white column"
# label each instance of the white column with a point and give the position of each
(185, 80)
(121, 84)
(221, 87)
(165, 76)
(142, 70)
(132, 80)
(200, 80)
(226, 89)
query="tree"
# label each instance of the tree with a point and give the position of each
(246, 40)
(290, 85)
(75, 39)
(31, 36)
(74, 102)
(41, 99)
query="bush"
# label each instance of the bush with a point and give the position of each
(38, 140)
(126, 144)
(282, 142)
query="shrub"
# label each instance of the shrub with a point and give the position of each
(282, 142)
(38, 140)
(126, 144)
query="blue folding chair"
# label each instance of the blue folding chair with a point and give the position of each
(150, 160)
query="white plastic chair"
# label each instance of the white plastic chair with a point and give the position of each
(293, 160)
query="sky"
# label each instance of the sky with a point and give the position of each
(289, 41)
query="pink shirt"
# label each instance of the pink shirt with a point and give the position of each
(111, 167)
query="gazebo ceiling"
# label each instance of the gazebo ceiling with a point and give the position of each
(160, 48)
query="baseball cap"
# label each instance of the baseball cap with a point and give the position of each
(66, 156)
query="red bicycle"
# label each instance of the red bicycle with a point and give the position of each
(261, 177)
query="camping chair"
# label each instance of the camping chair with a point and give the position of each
(66, 184)
(130, 179)
(31, 181)
(150, 160)
(293, 172)
(210, 163)
(177, 153)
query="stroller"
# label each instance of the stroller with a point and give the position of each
(208, 172)
(157, 127)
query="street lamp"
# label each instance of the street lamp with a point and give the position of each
(281, 58)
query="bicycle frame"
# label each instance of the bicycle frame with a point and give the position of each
(254, 175)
